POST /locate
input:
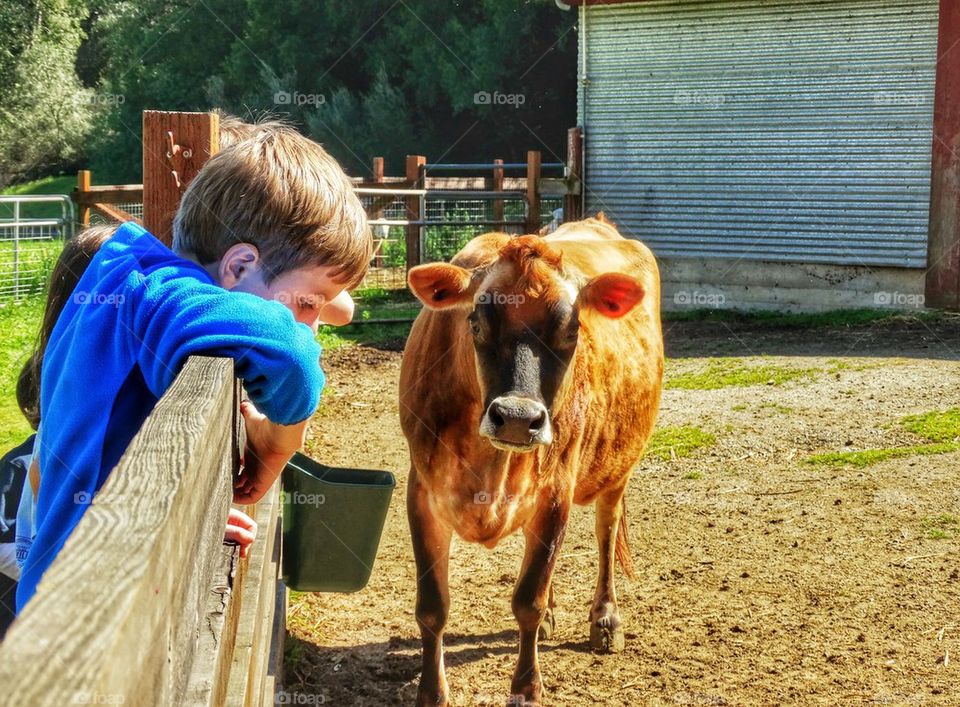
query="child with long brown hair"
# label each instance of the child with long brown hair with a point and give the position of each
(18, 467)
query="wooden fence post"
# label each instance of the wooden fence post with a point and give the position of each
(573, 200)
(498, 186)
(175, 147)
(377, 214)
(414, 177)
(84, 179)
(533, 191)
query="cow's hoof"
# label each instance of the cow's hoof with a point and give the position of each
(526, 693)
(606, 638)
(528, 697)
(435, 696)
(431, 698)
(547, 626)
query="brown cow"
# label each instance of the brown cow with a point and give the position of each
(530, 381)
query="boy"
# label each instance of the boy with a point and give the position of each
(267, 234)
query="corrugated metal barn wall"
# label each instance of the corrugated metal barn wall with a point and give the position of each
(782, 130)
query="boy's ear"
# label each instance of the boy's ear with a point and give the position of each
(440, 285)
(240, 261)
(612, 294)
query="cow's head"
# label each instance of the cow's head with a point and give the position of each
(524, 315)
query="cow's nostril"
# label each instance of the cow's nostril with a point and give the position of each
(537, 423)
(495, 417)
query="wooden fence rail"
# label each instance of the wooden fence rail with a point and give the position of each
(145, 605)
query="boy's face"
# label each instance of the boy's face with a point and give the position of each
(304, 291)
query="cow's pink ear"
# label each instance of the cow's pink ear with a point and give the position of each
(440, 285)
(612, 294)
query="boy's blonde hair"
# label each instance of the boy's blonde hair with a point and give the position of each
(282, 193)
(234, 129)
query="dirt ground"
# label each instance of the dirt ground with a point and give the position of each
(761, 579)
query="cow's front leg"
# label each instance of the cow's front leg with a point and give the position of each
(530, 598)
(606, 631)
(431, 548)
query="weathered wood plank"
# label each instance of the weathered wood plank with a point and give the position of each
(118, 613)
(414, 168)
(273, 681)
(533, 191)
(252, 641)
(214, 652)
(114, 194)
(115, 214)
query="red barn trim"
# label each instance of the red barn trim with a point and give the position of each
(943, 245)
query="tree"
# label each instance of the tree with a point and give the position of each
(45, 113)
(382, 77)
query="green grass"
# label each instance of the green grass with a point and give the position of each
(669, 443)
(941, 429)
(872, 456)
(48, 185)
(372, 325)
(835, 365)
(941, 527)
(36, 261)
(733, 372)
(778, 320)
(19, 324)
(364, 334)
(937, 426)
(782, 409)
(693, 476)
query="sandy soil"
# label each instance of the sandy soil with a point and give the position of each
(760, 579)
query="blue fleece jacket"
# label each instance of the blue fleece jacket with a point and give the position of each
(135, 316)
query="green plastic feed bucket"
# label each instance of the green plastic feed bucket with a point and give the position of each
(332, 521)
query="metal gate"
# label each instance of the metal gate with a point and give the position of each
(31, 240)
(780, 130)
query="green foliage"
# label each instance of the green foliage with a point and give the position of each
(365, 79)
(47, 185)
(45, 113)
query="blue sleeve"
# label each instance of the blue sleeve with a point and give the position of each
(278, 359)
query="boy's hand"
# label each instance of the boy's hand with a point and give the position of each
(269, 448)
(241, 529)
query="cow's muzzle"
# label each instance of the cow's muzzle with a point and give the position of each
(516, 424)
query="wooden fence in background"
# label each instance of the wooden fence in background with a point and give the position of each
(145, 605)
